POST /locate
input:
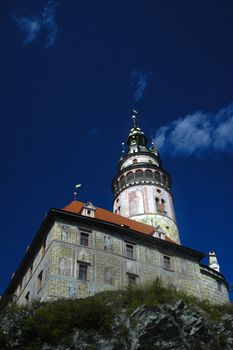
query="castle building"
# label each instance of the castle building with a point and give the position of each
(81, 249)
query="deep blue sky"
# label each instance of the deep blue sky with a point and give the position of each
(66, 102)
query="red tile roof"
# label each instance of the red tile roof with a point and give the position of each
(105, 215)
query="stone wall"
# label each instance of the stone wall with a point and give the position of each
(31, 285)
(111, 262)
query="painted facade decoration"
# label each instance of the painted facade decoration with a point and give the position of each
(112, 269)
(82, 250)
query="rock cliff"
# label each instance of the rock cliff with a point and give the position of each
(114, 321)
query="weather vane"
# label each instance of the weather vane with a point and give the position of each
(75, 193)
(134, 116)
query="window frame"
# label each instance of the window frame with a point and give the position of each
(132, 279)
(130, 253)
(84, 239)
(167, 263)
(82, 270)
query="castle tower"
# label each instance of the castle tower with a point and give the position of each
(142, 188)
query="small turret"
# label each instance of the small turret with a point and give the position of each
(213, 262)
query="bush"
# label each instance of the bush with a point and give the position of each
(150, 295)
(3, 340)
(55, 321)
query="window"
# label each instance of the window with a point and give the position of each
(139, 176)
(157, 176)
(164, 180)
(122, 181)
(157, 204)
(130, 177)
(27, 298)
(39, 280)
(162, 207)
(167, 262)
(84, 238)
(149, 175)
(219, 286)
(131, 279)
(82, 274)
(135, 161)
(129, 251)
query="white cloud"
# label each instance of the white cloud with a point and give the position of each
(34, 24)
(139, 81)
(197, 133)
(31, 25)
(49, 22)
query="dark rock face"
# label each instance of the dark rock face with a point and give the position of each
(170, 327)
(176, 326)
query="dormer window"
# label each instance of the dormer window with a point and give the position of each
(159, 234)
(89, 210)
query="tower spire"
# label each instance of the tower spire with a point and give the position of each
(134, 117)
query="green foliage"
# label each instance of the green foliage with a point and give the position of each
(150, 295)
(55, 322)
(3, 340)
(213, 311)
(122, 331)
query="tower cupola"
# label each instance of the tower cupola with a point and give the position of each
(142, 188)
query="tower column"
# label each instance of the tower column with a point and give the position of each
(142, 188)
